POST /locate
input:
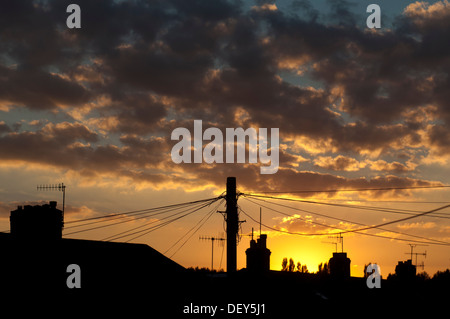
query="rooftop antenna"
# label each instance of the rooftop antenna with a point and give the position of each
(212, 239)
(331, 242)
(340, 239)
(260, 221)
(416, 254)
(55, 187)
(422, 265)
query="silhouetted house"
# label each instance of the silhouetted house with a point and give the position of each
(37, 222)
(339, 265)
(34, 255)
(258, 255)
(405, 270)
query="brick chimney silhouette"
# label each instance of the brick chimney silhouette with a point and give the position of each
(37, 222)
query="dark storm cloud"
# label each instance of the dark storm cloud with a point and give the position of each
(162, 64)
(440, 138)
(67, 146)
(173, 44)
(47, 145)
(285, 180)
(340, 163)
(136, 113)
(39, 90)
(4, 128)
(29, 35)
(381, 74)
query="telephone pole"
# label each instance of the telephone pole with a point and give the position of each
(232, 224)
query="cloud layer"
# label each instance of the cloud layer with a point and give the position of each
(355, 107)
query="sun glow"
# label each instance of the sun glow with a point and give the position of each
(307, 252)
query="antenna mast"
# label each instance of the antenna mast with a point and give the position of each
(260, 220)
(340, 239)
(333, 243)
(212, 239)
(55, 187)
(416, 254)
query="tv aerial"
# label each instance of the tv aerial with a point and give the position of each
(333, 243)
(340, 240)
(55, 187)
(220, 239)
(422, 265)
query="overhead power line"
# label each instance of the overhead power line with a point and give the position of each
(401, 219)
(147, 230)
(348, 190)
(194, 229)
(142, 210)
(358, 230)
(119, 222)
(384, 201)
(154, 221)
(381, 209)
(336, 218)
(130, 216)
(148, 213)
(327, 234)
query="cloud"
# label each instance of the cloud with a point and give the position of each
(39, 90)
(6, 208)
(265, 6)
(339, 163)
(4, 128)
(292, 180)
(418, 225)
(137, 113)
(439, 137)
(393, 167)
(308, 224)
(343, 163)
(135, 71)
(421, 11)
(66, 132)
(70, 211)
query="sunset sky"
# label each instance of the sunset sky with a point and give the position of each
(356, 108)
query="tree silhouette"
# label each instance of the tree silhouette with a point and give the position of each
(323, 269)
(365, 270)
(423, 276)
(442, 275)
(284, 264)
(291, 265)
(305, 269)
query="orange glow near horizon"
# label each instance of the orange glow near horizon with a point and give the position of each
(89, 200)
(307, 252)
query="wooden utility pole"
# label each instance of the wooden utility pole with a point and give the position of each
(232, 224)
